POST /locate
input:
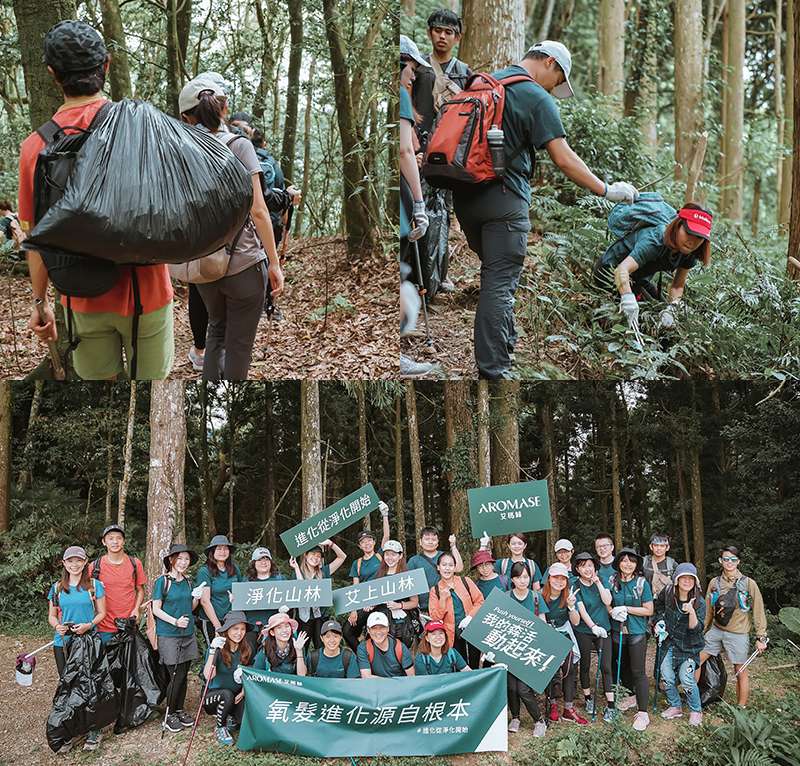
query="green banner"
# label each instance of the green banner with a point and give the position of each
(334, 519)
(397, 587)
(338, 718)
(510, 635)
(508, 508)
(273, 594)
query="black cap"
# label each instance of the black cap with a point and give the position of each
(366, 533)
(241, 117)
(113, 528)
(74, 46)
(584, 556)
(627, 552)
(178, 548)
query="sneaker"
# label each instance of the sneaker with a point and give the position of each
(65, 748)
(695, 719)
(672, 712)
(627, 703)
(513, 725)
(573, 716)
(447, 286)
(186, 720)
(223, 736)
(641, 721)
(540, 729)
(411, 369)
(92, 740)
(609, 714)
(589, 706)
(232, 723)
(173, 723)
(196, 359)
(553, 712)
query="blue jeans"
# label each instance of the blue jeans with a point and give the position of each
(686, 679)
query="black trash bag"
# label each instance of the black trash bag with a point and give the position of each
(713, 680)
(85, 698)
(147, 189)
(135, 669)
(433, 246)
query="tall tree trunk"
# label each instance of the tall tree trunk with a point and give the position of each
(416, 463)
(267, 78)
(399, 500)
(697, 514)
(688, 42)
(785, 203)
(184, 28)
(504, 405)
(755, 207)
(484, 437)
(34, 19)
(292, 87)
(611, 48)
(206, 490)
(174, 63)
(26, 474)
(794, 227)
(119, 73)
(128, 454)
(494, 34)
(269, 470)
(641, 94)
(309, 447)
(363, 466)
(5, 454)
(461, 453)
(165, 495)
(682, 502)
(780, 117)
(109, 452)
(547, 18)
(733, 125)
(298, 228)
(550, 466)
(616, 500)
(232, 426)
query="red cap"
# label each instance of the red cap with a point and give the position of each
(481, 557)
(698, 222)
(432, 625)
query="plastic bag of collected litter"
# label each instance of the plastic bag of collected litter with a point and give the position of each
(713, 680)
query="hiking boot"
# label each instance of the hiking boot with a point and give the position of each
(553, 712)
(589, 705)
(173, 723)
(65, 748)
(447, 286)
(573, 716)
(513, 725)
(186, 720)
(232, 723)
(196, 359)
(609, 714)
(540, 729)
(695, 719)
(641, 721)
(411, 369)
(672, 712)
(92, 740)
(627, 703)
(223, 735)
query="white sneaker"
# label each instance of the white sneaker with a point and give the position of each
(513, 725)
(196, 359)
(641, 721)
(540, 729)
(628, 703)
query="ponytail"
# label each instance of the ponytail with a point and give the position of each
(209, 111)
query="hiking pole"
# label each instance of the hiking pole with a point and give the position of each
(657, 676)
(422, 292)
(619, 670)
(597, 681)
(793, 644)
(196, 719)
(169, 696)
(52, 347)
(750, 659)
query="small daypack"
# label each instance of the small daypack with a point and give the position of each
(96, 568)
(91, 592)
(426, 661)
(638, 588)
(458, 150)
(313, 660)
(725, 605)
(360, 559)
(530, 565)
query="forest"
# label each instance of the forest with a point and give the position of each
(690, 99)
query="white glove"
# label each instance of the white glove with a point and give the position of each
(599, 631)
(237, 676)
(660, 631)
(621, 192)
(666, 320)
(485, 542)
(399, 614)
(198, 591)
(619, 613)
(218, 642)
(384, 509)
(420, 221)
(629, 306)
(466, 621)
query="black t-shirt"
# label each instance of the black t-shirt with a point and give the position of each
(422, 92)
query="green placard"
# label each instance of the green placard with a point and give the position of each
(507, 508)
(273, 594)
(334, 519)
(397, 587)
(340, 718)
(511, 635)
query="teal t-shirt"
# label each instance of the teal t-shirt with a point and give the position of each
(220, 588)
(224, 677)
(421, 561)
(333, 667)
(531, 120)
(425, 665)
(285, 667)
(505, 564)
(458, 607)
(76, 606)
(487, 586)
(589, 596)
(177, 603)
(262, 615)
(557, 615)
(531, 601)
(605, 572)
(385, 664)
(646, 247)
(627, 596)
(406, 113)
(369, 568)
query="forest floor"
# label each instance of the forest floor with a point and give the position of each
(355, 338)
(23, 712)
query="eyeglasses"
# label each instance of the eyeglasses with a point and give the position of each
(732, 559)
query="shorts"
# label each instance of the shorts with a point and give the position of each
(736, 645)
(98, 355)
(173, 650)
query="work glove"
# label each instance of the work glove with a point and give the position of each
(384, 509)
(666, 320)
(660, 631)
(621, 192)
(218, 642)
(419, 218)
(599, 631)
(466, 621)
(619, 613)
(198, 591)
(629, 306)
(237, 676)
(485, 542)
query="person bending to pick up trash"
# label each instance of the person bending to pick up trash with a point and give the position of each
(491, 179)
(653, 238)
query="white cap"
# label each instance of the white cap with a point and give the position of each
(409, 48)
(393, 545)
(564, 58)
(557, 569)
(377, 618)
(563, 545)
(189, 95)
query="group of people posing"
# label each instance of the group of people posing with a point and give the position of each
(134, 318)
(493, 211)
(604, 602)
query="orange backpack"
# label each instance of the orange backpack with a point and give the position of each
(398, 650)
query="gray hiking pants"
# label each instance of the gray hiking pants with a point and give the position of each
(234, 307)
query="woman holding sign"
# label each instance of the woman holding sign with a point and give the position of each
(282, 647)
(435, 656)
(403, 615)
(312, 567)
(261, 569)
(593, 600)
(217, 576)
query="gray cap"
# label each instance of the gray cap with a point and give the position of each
(409, 48)
(330, 625)
(261, 553)
(75, 551)
(564, 58)
(189, 96)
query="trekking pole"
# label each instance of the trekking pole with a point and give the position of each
(597, 681)
(750, 659)
(422, 292)
(657, 677)
(793, 644)
(196, 719)
(619, 670)
(169, 695)
(52, 347)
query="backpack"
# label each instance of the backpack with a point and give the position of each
(313, 661)
(360, 559)
(638, 588)
(270, 170)
(725, 604)
(531, 569)
(659, 580)
(458, 150)
(91, 591)
(96, 568)
(398, 651)
(426, 661)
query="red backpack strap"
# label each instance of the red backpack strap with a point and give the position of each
(370, 651)
(398, 650)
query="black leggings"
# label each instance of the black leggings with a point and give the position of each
(586, 643)
(61, 659)
(471, 655)
(517, 690)
(633, 676)
(564, 683)
(198, 317)
(352, 633)
(220, 704)
(176, 689)
(312, 628)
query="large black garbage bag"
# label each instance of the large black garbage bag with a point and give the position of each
(85, 698)
(135, 669)
(147, 188)
(713, 680)
(433, 246)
